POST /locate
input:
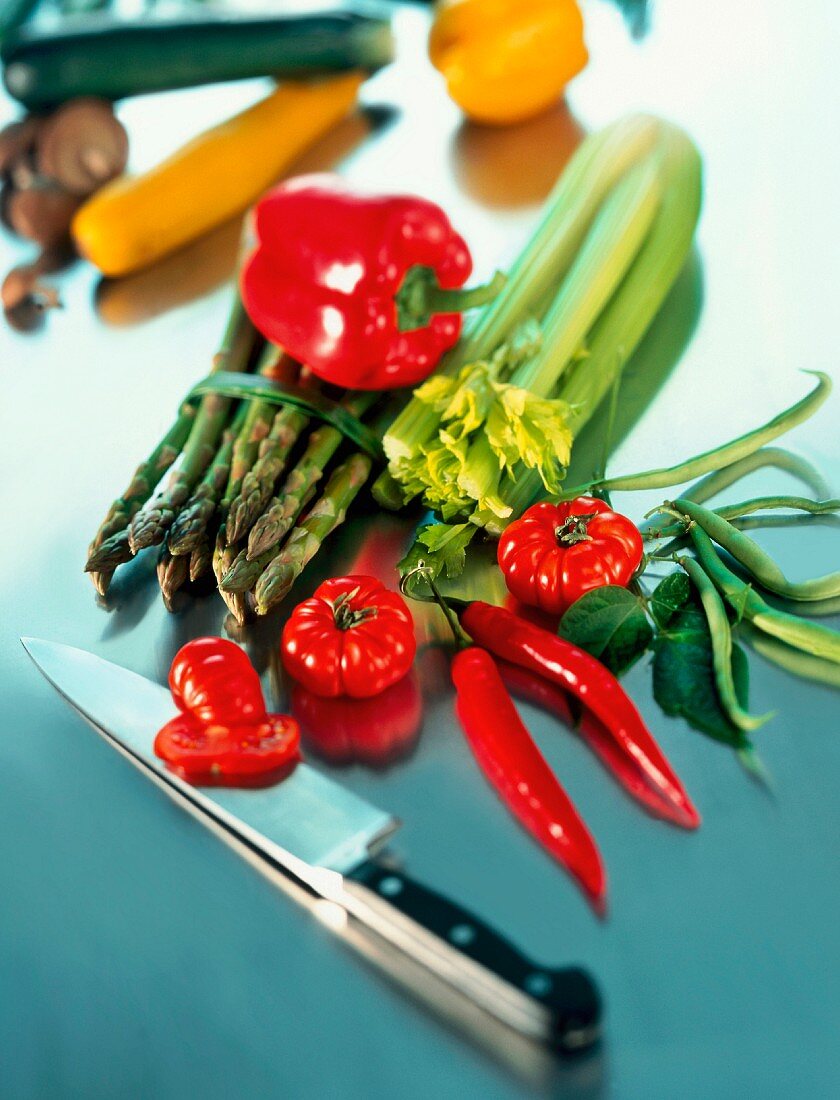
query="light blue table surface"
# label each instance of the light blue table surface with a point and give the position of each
(139, 957)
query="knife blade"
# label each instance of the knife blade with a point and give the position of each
(323, 839)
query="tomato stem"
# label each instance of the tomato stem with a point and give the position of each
(347, 617)
(574, 529)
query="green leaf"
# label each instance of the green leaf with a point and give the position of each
(684, 680)
(668, 597)
(610, 623)
(441, 549)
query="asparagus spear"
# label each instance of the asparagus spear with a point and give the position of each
(283, 511)
(190, 526)
(108, 555)
(256, 426)
(103, 559)
(172, 573)
(245, 448)
(201, 558)
(110, 543)
(223, 556)
(150, 525)
(245, 572)
(305, 541)
(258, 483)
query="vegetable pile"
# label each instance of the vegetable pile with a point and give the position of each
(343, 300)
(236, 462)
(498, 647)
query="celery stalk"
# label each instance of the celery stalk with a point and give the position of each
(606, 252)
(599, 163)
(627, 317)
(604, 258)
(621, 234)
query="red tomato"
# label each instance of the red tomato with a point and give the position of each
(197, 750)
(376, 732)
(556, 552)
(213, 680)
(352, 637)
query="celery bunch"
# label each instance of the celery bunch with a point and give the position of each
(492, 430)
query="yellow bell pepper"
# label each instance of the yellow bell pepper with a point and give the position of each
(134, 221)
(507, 60)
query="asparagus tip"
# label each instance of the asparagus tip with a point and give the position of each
(109, 554)
(101, 580)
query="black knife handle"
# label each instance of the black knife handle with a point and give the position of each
(560, 1007)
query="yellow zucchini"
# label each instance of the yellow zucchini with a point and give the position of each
(135, 221)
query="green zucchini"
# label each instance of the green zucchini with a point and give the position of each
(101, 56)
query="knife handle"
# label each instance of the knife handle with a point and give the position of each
(559, 1007)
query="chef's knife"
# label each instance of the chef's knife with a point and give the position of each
(323, 838)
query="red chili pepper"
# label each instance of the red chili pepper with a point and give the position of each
(517, 769)
(352, 637)
(556, 552)
(376, 732)
(363, 289)
(223, 734)
(624, 767)
(572, 668)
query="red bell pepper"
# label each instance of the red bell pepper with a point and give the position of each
(362, 289)
(555, 553)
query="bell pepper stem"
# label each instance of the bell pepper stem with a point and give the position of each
(421, 297)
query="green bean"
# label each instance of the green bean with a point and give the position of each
(799, 633)
(800, 468)
(713, 484)
(757, 561)
(721, 635)
(756, 523)
(759, 504)
(724, 455)
(814, 609)
(793, 660)
(747, 507)
(830, 606)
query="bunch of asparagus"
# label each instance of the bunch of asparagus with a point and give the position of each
(243, 500)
